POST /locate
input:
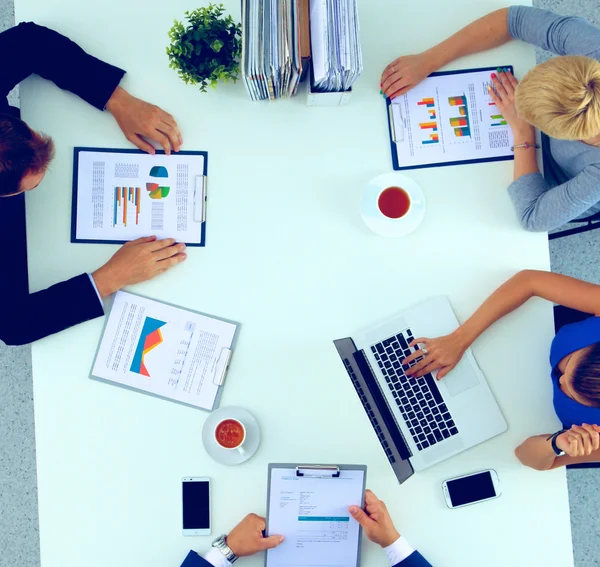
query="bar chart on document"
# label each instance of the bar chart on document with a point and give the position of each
(449, 118)
(123, 196)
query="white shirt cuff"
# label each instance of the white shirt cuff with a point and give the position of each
(216, 558)
(398, 551)
(96, 289)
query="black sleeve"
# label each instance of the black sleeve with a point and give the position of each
(26, 317)
(29, 48)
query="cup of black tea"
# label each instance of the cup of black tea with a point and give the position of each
(394, 202)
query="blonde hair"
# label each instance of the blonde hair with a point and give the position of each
(561, 97)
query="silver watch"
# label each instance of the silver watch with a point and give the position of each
(221, 544)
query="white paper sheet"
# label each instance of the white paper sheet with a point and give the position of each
(312, 514)
(124, 196)
(450, 118)
(163, 350)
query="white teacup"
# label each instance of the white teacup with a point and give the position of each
(230, 434)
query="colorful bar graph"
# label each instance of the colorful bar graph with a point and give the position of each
(137, 205)
(460, 123)
(502, 123)
(116, 206)
(455, 122)
(497, 117)
(457, 100)
(429, 102)
(123, 196)
(426, 125)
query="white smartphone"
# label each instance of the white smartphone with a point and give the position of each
(471, 488)
(195, 493)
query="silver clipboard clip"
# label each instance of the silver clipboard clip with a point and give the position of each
(221, 366)
(200, 182)
(396, 124)
(318, 471)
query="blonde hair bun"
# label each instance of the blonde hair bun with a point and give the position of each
(561, 97)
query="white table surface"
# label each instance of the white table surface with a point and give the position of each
(289, 257)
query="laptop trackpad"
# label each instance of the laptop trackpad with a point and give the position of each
(461, 379)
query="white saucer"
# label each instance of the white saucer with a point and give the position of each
(233, 457)
(377, 221)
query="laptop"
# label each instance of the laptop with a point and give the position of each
(419, 421)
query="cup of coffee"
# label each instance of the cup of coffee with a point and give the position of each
(394, 202)
(230, 434)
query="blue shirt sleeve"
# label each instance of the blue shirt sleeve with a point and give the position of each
(563, 35)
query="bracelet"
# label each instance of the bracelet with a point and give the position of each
(526, 145)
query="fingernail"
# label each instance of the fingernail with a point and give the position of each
(380, 92)
(183, 257)
(489, 87)
(499, 69)
(505, 70)
(353, 509)
(494, 76)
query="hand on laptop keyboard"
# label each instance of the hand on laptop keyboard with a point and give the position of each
(442, 354)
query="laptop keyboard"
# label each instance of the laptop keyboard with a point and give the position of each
(419, 399)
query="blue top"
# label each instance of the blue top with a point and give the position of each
(569, 339)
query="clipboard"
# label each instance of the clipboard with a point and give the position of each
(398, 131)
(221, 366)
(198, 201)
(328, 473)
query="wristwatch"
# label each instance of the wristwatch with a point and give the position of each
(221, 544)
(559, 452)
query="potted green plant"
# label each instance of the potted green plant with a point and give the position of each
(206, 49)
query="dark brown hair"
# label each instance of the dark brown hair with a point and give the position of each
(586, 376)
(22, 151)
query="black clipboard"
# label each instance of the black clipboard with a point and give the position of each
(396, 165)
(200, 199)
(303, 471)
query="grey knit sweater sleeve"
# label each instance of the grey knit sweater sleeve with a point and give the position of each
(541, 208)
(563, 35)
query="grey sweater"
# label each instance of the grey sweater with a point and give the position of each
(570, 187)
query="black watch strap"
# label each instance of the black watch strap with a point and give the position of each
(557, 451)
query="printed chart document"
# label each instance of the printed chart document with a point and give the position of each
(447, 119)
(121, 195)
(312, 514)
(164, 350)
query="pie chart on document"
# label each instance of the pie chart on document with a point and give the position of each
(393, 205)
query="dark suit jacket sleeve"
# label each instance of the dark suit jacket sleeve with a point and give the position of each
(26, 317)
(29, 48)
(415, 559)
(194, 560)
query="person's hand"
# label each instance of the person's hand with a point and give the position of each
(247, 537)
(580, 440)
(403, 74)
(375, 520)
(503, 95)
(138, 261)
(138, 118)
(443, 354)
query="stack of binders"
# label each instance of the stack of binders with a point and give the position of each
(335, 45)
(271, 59)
